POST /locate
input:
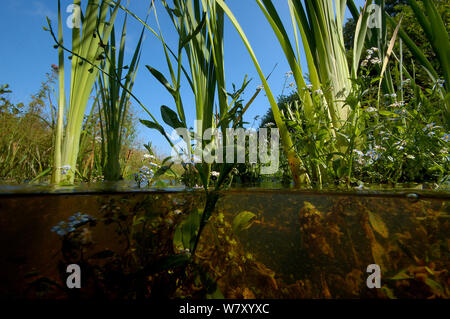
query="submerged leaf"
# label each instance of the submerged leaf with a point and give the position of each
(243, 221)
(186, 232)
(378, 254)
(378, 225)
(402, 275)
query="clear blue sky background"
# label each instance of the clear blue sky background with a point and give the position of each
(27, 53)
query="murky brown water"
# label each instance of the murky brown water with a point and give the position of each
(300, 245)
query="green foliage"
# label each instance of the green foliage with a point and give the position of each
(26, 135)
(243, 220)
(115, 100)
(86, 57)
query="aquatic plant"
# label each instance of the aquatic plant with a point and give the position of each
(75, 221)
(435, 31)
(85, 60)
(115, 99)
(322, 37)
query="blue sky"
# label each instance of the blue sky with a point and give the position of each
(27, 54)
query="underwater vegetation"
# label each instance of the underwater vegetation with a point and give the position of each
(133, 246)
(372, 109)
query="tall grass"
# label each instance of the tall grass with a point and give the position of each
(115, 100)
(319, 24)
(86, 58)
(434, 28)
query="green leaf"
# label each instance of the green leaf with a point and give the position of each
(435, 286)
(402, 275)
(186, 232)
(194, 33)
(162, 170)
(160, 77)
(153, 125)
(243, 221)
(170, 117)
(387, 113)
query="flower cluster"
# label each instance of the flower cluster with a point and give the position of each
(373, 154)
(63, 228)
(398, 104)
(214, 175)
(431, 129)
(149, 156)
(446, 137)
(145, 174)
(393, 96)
(400, 145)
(401, 112)
(369, 58)
(318, 92)
(439, 83)
(65, 169)
(370, 156)
(445, 154)
(384, 136)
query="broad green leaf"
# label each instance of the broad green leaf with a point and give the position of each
(186, 232)
(243, 221)
(170, 117)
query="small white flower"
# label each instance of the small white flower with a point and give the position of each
(270, 124)
(215, 174)
(375, 61)
(400, 145)
(398, 104)
(318, 92)
(364, 63)
(371, 109)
